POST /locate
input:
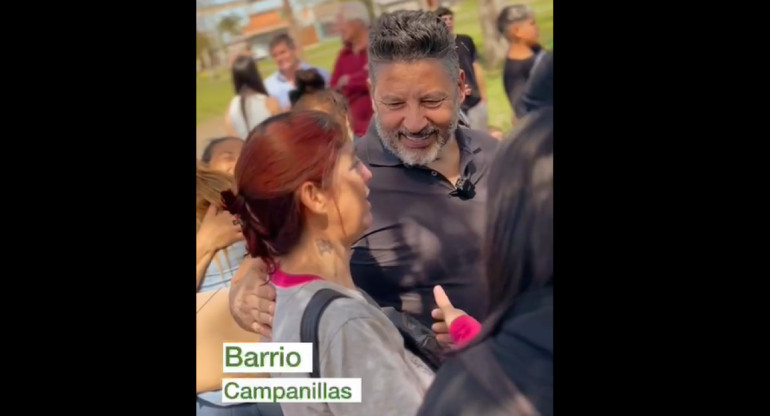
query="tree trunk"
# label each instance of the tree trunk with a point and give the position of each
(495, 46)
(293, 28)
(370, 7)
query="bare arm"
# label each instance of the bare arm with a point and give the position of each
(203, 256)
(273, 106)
(217, 231)
(214, 326)
(480, 80)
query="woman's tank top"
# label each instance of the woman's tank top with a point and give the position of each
(256, 112)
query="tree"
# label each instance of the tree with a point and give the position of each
(202, 48)
(230, 24)
(288, 14)
(370, 7)
(202, 43)
(495, 46)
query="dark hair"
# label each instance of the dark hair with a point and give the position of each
(410, 35)
(518, 248)
(246, 80)
(512, 14)
(328, 101)
(443, 11)
(282, 38)
(308, 81)
(209, 150)
(281, 154)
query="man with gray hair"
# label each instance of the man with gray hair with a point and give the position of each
(428, 191)
(350, 70)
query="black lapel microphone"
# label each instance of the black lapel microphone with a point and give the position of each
(464, 189)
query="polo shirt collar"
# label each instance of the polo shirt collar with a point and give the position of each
(302, 65)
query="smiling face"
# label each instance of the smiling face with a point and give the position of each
(417, 106)
(285, 57)
(225, 154)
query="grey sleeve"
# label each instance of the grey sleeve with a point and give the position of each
(361, 349)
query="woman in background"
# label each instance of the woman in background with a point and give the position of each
(251, 104)
(222, 153)
(312, 95)
(220, 239)
(220, 246)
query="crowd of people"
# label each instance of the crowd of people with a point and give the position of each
(381, 183)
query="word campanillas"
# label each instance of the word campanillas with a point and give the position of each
(291, 390)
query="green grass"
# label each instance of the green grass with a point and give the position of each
(214, 91)
(466, 19)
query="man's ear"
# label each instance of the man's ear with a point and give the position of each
(461, 86)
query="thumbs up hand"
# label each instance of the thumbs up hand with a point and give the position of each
(445, 314)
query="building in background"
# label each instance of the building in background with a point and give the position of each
(262, 27)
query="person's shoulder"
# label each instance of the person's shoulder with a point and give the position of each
(481, 138)
(271, 79)
(454, 392)
(460, 388)
(349, 306)
(466, 39)
(350, 312)
(345, 50)
(235, 102)
(361, 144)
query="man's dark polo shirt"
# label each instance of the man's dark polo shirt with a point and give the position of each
(420, 235)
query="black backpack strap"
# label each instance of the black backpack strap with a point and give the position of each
(311, 318)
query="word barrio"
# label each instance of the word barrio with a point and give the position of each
(290, 357)
(268, 357)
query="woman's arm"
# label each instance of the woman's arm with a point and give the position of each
(214, 326)
(217, 231)
(203, 256)
(273, 106)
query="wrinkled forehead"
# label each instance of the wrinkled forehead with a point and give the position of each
(412, 78)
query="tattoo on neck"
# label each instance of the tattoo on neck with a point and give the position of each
(324, 246)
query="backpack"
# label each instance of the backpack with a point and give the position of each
(418, 338)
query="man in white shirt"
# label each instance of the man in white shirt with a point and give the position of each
(284, 53)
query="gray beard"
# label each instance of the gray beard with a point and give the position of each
(417, 157)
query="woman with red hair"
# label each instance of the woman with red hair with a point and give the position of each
(302, 200)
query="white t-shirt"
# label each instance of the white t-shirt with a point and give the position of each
(256, 112)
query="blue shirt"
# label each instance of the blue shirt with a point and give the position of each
(223, 267)
(278, 86)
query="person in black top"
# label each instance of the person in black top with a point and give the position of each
(508, 367)
(538, 92)
(517, 24)
(475, 104)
